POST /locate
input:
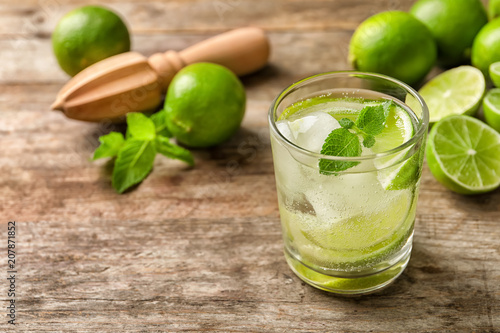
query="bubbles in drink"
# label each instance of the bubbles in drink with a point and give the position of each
(349, 219)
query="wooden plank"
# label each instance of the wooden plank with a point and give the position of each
(239, 280)
(199, 249)
(288, 50)
(38, 18)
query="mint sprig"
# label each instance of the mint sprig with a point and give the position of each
(340, 142)
(133, 163)
(110, 145)
(135, 154)
(346, 141)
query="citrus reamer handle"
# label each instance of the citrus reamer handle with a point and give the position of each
(130, 82)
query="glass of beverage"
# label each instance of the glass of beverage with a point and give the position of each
(348, 150)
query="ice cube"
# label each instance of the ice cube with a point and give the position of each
(339, 197)
(288, 170)
(311, 131)
(285, 130)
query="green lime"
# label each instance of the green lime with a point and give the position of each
(355, 241)
(398, 129)
(454, 24)
(393, 43)
(463, 154)
(491, 108)
(400, 170)
(494, 9)
(87, 35)
(456, 91)
(362, 231)
(205, 105)
(486, 46)
(494, 71)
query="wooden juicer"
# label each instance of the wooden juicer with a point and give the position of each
(130, 82)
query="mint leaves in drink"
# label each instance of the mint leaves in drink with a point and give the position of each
(136, 153)
(340, 142)
(347, 140)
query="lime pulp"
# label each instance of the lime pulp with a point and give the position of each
(462, 153)
(491, 108)
(456, 91)
(495, 73)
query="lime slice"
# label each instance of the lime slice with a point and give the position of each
(454, 92)
(357, 240)
(399, 129)
(362, 231)
(491, 108)
(404, 174)
(463, 154)
(495, 73)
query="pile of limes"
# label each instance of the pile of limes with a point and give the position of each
(463, 152)
(407, 45)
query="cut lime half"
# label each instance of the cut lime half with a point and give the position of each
(454, 92)
(491, 108)
(463, 154)
(495, 73)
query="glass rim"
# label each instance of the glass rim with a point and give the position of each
(423, 123)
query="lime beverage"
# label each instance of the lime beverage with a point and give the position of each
(347, 230)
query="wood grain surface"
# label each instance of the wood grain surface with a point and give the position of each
(199, 249)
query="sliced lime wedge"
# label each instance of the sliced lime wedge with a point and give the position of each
(399, 129)
(463, 154)
(495, 73)
(454, 92)
(363, 230)
(404, 174)
(356, 240)
(491, 108)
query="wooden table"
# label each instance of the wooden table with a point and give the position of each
(200, 249)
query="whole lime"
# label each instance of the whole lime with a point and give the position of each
(486, 46)
(454, 24)
(205, 105)
(87, 35)
(393, 43)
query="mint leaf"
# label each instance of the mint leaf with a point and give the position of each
(369, 141)
(134, 162)
(140, 127)
(371, 119)
(160, 120)
(340, 142)
(167, 148)
(110, 145)
(346, 123)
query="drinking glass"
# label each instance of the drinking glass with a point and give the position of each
(348, 232)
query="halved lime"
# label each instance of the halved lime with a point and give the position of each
(454, 92)
(463, 154)
(491, 108)
(495, 73)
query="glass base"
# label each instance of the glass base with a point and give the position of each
(349, 286)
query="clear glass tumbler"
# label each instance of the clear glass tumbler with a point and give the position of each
(349, 231)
